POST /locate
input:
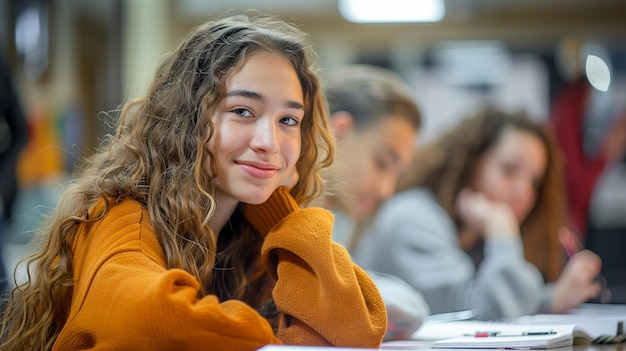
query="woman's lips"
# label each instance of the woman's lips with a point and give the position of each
(258, 170)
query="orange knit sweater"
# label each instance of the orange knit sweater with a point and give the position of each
(125, 299)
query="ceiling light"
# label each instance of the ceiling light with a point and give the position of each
(598, 72)
(392, 11)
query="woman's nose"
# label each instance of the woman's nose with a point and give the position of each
(386, 186)
(265, 136)
(523, 191)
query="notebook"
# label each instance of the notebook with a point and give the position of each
(507, 335)
(520, 337)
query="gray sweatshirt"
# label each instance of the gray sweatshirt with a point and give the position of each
(413, 238)
(406, 308)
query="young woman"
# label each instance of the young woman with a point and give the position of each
(375, 121)
(475, 224)
(185, 232)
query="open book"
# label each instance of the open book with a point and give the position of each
(533, 334)
(514, 336)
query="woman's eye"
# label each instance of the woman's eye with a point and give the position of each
(509, 169)
(242, 112)
(381, 163)
(290, 121)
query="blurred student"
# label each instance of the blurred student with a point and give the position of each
(185, 231)
(476, 220)
(571, 110)
(375, 121)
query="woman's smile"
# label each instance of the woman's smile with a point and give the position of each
(258, 169)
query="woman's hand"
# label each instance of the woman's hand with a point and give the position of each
(577, 282)
(492, 219)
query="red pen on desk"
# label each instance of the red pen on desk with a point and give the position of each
(487, 334)
(571, 244)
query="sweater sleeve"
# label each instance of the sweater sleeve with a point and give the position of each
(323, 297)
(414, 238)
(125, 299)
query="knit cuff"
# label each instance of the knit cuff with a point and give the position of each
(265, 216)
(505, 247)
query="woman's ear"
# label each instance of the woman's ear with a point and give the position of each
(342, 123)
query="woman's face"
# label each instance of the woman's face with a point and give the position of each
(371, 161)
(513, 170)
(257, 136)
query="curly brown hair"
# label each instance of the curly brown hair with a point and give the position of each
(157, 158)
(448, 164)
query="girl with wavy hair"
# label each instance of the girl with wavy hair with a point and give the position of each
(186, 232)
(475, 223)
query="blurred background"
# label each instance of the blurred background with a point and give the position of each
(71, 61)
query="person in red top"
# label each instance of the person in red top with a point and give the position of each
(581, 170)
(188, 231)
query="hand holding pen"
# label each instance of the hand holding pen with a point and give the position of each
(580, 279)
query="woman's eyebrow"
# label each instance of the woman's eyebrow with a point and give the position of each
(246, 93)
(259, 97)
(294, 104)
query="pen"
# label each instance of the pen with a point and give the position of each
(487, 334)
(571, 243)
